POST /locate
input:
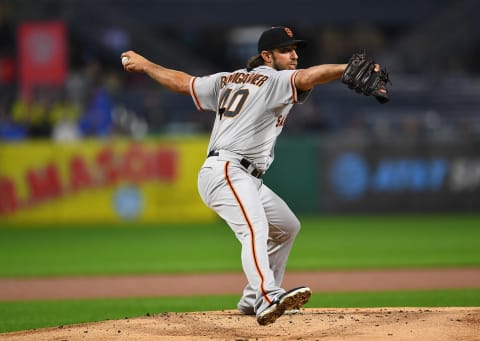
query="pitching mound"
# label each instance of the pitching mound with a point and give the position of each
(310, 324)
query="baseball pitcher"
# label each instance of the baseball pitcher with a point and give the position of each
(251, 106)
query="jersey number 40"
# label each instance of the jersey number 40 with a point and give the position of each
(232, 102)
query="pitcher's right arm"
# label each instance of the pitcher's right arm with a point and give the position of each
(174, 80)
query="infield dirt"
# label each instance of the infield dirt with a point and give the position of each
(310, 324)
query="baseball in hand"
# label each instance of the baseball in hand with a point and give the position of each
(124, 60)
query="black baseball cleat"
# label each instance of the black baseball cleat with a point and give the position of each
(292, 299)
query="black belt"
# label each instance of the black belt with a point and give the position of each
(244, 162)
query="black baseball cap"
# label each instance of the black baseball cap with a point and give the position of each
(276, 37)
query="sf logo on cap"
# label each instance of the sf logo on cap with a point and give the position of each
(288, 32)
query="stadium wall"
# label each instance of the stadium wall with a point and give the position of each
(155, 180)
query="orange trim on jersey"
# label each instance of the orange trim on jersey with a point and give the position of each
(194, 94)
(293, 87)
(252, 233)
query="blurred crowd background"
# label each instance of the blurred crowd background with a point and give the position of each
(430, 48)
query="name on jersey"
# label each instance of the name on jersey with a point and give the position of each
(243, 78)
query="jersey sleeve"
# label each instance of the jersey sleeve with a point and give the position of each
(283, 90)
(205, 90)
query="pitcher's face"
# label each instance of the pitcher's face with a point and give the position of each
(285, 58)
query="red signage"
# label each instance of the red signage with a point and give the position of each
(42, 54)
(136, 165)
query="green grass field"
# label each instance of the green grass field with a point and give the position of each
(352, 242)
(323, 243)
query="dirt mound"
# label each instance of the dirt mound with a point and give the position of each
(310, 324)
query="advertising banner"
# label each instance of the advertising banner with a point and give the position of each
(102, 181)
(42, 52)
(367, 175)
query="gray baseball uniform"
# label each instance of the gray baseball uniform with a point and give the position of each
(252, 107)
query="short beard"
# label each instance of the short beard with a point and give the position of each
(275, 65)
